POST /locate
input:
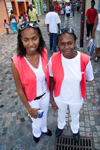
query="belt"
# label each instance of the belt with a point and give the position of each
(39, 97)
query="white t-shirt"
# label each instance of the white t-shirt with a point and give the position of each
(98, 25)
(67, 9)
(40, 77)
(52, 18)
(70, 92)
(13, 20)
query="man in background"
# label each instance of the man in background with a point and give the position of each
(91, 14)
(33, 16)
(53, 27)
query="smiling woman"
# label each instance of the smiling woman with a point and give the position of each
(69, 70)
(31, 76)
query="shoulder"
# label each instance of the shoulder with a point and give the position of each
(84, 57)
(16, 58)
(95, 9)
(56, 55)
(44, 52)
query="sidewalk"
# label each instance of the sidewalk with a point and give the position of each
(15, 125)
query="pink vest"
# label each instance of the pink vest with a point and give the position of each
(58, 72)
(28, 77)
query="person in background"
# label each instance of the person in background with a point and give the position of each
(6, 26)
(67, 10)
(31, 76)
(44, 8)
(69, 70)
(96, 31)
(20, 21)
(62, 13)
(52, 21)
(25, 17)
(63, 6)
(22, 18)
(57, 8)
(13, 22)
(33, 16)
(28, 11)
(60, 5)
(91, 13)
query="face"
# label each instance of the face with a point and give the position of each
(92, 4)
(30, 39)
(66, 44)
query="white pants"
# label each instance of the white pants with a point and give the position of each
(40, 124)
(74, 111)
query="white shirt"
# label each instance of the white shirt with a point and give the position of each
(70, 92)
(40, 77)
(13, 20)
(52, 18)
(98, 25)
(44, 7)
(67, 9)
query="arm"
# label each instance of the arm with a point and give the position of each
(94, 27)
(52, 83)
(29, 15)
(59, 28)
(37, 18)
(21, 92)
(48, 30)
(88, 20)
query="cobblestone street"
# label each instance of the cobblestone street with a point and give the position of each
(15, 125)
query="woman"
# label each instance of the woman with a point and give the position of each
(96, 30)
(68, 80)
(31, 76)
(13, 22)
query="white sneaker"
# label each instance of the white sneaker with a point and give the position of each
(87, 38)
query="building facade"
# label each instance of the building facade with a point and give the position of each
(18, 7)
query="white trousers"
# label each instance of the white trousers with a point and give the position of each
(39, 125)
(74, 111)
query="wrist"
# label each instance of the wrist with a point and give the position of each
(30, 110)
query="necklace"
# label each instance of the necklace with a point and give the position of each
(29, 60)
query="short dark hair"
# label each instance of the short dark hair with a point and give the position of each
(73, 34)
(93, 1)
(21, 50)
(5, 20)
(51, 7)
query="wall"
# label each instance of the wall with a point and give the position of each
(3, 15)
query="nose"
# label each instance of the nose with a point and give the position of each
(66, 46)
(30, 42)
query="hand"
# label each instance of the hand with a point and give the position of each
(58, 31)
(48, 34)
(89, 22)
(38, 20)
(54, 106)
(34, 114)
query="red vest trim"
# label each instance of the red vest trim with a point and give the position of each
(58, 72)
(28, 77)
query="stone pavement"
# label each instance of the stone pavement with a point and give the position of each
(15, 125)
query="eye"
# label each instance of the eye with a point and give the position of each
(34, 38)
(70, 43)
(26, 40)
(62, 44)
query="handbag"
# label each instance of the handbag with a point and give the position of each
(90, 47)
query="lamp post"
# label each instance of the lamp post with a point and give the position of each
(82, 23)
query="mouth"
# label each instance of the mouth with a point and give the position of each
(32, 49)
